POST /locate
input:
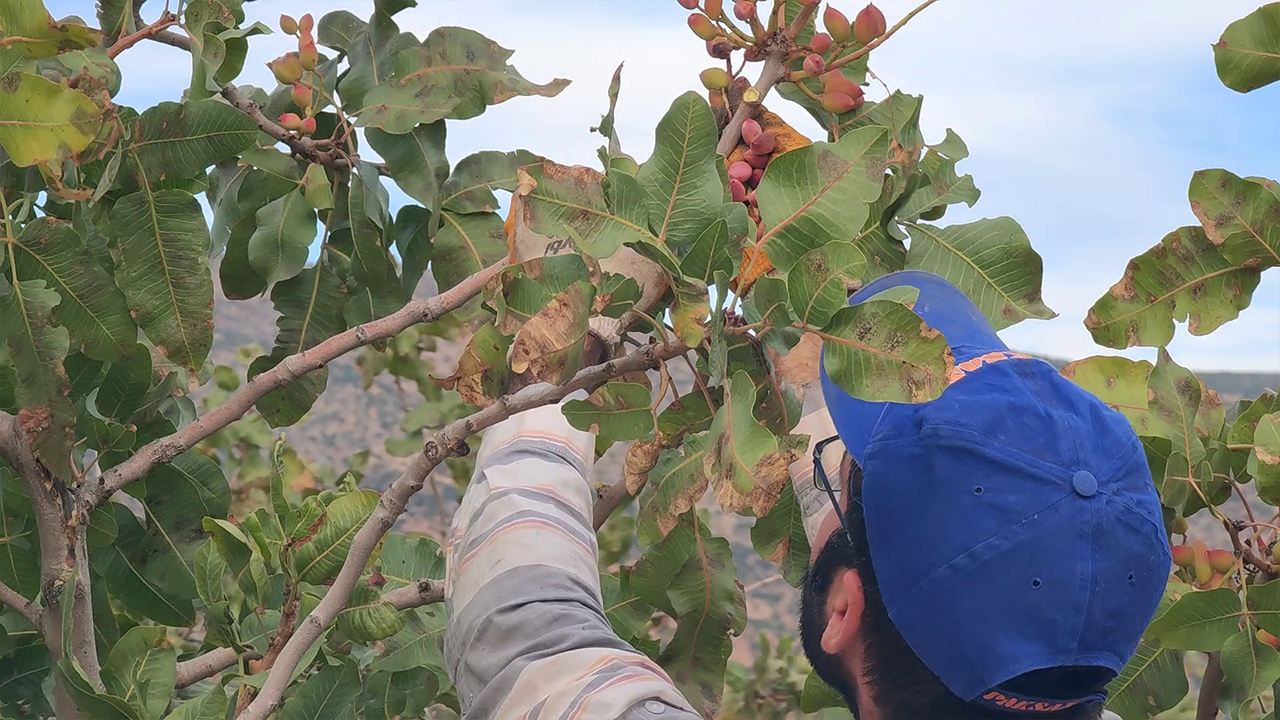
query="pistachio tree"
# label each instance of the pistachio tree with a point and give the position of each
(136, 584)
(1222, 605)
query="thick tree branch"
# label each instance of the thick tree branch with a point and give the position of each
(448, 441)
(25, 607)
(608, 498)
(209, 664)
(291, 368)
(423, 592)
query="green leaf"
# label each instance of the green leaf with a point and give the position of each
(146, 576)
(779, 537)
(470, 186)
(371, 263)
(691, 575)
(1250, 412)
(326, 695)
(818, 284)
(1173, 399)
(709, 253)
(745, 463)
(456, 73)
(1264, 461)
(990, 260)
(316, 188)
(1152, 682)
(42, 36)
(97, 705)
(1201, 620)
(367, 618)
(371, 55)
(419, 644)
(1248, 53)
(881, 351)
(1119, 382)
(285, 228)
(465, 245)
(561, 201)
(1249, 666)
(311, 311)
(682, 178)
(405, 560)
(37, 348)
(404, 694)
(944, 186)
(1185, 279)
(124, 387)
(209, 570)
(210, 706)
(160, 241)
(1264, 605)
(817, 695)
(42, 121)
(321, 556)
(618, 410)
(627, 613)
(19, 567)
(814, 195)
(180, 140)
(416, 160)
(690, 312)
(180, 494)
(141, 670)
(339, 30)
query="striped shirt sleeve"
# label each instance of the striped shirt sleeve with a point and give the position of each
(527, 635)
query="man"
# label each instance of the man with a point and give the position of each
(997, 552)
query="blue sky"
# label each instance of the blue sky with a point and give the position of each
(1085, 119)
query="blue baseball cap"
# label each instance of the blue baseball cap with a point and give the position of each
(1013, 524)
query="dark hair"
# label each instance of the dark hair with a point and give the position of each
(902, 685)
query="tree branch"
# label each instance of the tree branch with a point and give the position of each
(166, 20)
(862, 51)
(447, 441)
(775, 68)
(172, 39)
(209, 664)
(291, 368)
(1207, 703)
(423, 592)
(299, 144)
(608, 498)
(25, 607)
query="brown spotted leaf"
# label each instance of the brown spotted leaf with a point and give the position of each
(1240, 216)
(549, 346)
(675, 484)
(745, 463)
(1186, 278)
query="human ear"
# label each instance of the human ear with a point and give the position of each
(845, 602)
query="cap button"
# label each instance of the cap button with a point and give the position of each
(1084, 483)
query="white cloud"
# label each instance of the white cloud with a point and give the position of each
(1085, 119)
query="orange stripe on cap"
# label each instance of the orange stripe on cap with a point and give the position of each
(962, 369)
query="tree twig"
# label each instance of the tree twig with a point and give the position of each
(25, 607)
(172, 39)
(291, 368)
(862, 51)
(608, 498)
(1207, 703)
(209, 664)
(304, 146)
(447, 441)
(166, 20)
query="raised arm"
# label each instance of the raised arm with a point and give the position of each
(819, 516)
(527, 634)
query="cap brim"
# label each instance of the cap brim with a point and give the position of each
(945, 308)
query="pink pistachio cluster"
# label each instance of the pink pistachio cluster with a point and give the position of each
(292, 68)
